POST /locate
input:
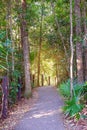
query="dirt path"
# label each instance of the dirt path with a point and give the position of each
(46, 112)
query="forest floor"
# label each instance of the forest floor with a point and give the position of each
(73, 124)
(41, 112)
(17, 112)
(46, 113)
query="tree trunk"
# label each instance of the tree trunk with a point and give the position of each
(85, 40)
(42, 80)
(71, 48)
(40, 44)
(25, 45)
(49, 80)
(11, 34)
(19, 88)
(33, 80)
(57, 72)
(78, 43)
(9, 29)
(4, 111)
(7, 37)
(38, 67)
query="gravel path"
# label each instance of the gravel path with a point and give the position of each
(46, 112)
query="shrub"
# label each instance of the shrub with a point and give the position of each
(14, 87)
(75, 105)
(64, 89)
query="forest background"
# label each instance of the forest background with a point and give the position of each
(43, 43)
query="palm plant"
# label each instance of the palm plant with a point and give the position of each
(64, 88)
(75, 104)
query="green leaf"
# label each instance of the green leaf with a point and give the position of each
(2, 67)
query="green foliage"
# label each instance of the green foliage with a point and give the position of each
(2, 34)
(4, 50)
(78, 89)
(64, 88)
(13, 92)
(73, 106)
(81, 90)
(14, 86)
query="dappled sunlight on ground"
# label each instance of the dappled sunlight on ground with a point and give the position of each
(17, 112)
(45, 114)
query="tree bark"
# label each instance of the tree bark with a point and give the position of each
(4, 111)
(78, 43)
(7, 37)
(42, 80)
(38, 67)
(25, 45)
(19, 88)
(49, 81)
(11, 34)
(33, 80)
(40, 44)
(57, 72)
(85, 40)
(9, 29)
(71, 48)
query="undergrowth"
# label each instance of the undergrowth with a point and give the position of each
(73, 106)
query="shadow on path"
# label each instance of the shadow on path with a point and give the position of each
(46, 112)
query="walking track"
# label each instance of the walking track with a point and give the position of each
(46, 112)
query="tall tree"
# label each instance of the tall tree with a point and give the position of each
(25, 45)
(10, 31)
(40, 44)
(71, 48)
(4, 111)
(85, 38)
(78, 42)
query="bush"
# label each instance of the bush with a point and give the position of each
(13, 92)
(14, 87)
(75, 105)
(64, 89)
